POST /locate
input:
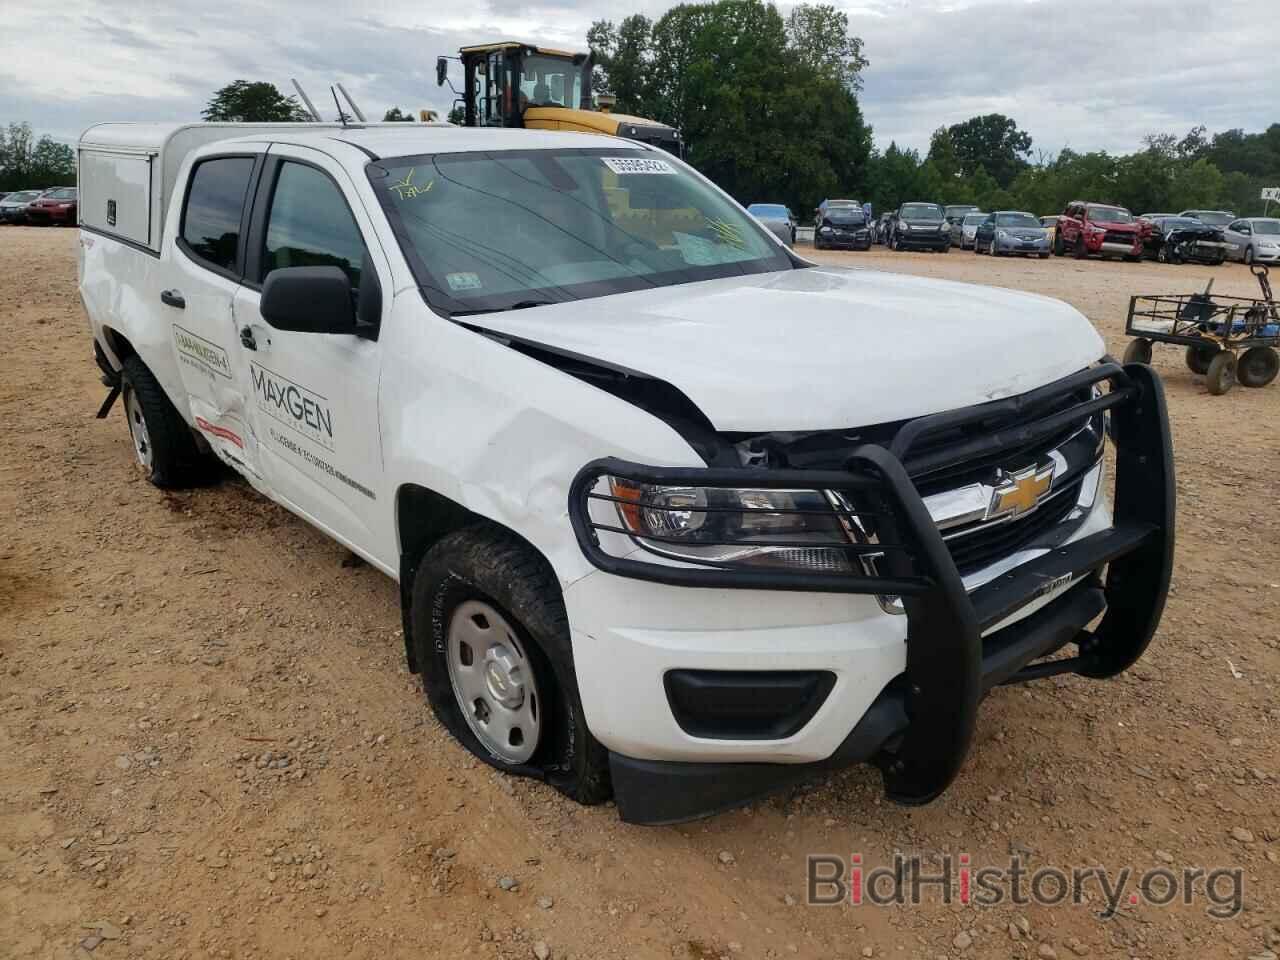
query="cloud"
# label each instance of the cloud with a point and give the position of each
(1091, 74)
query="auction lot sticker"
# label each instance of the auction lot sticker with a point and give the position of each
(637, 165)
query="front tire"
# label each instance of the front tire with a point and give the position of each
(1248, 256)
(1221, 375)
(163, 444)
(1081, 252)
(491, 637)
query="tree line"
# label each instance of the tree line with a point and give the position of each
(987, 161)
(27, 163)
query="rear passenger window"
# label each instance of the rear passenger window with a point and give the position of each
(211, 220)
(310, 225)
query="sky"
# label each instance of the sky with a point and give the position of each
(1088, 74)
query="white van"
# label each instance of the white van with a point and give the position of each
(677, 516)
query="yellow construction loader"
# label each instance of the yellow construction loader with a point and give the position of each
(513, 84)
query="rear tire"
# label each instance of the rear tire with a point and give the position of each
(1257, 367)
(163, 444)
(1199, 358)
(1138, 351)
(1221, 375)
(483, 568)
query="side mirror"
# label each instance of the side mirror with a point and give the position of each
(442, 70)
(309, 300)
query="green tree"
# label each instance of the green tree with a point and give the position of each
(819, 38)
(457, 115)
(396, 114)
(243, 101)
(942, 151)
(763, 118)
(27, 163)
(992, 141)
(1198, 185)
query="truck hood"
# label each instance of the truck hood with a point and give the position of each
(820, 348)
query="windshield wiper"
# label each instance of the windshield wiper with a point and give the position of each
(518, 305)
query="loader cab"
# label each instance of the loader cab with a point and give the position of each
(503, 80)
(520, 85)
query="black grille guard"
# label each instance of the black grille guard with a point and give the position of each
(924, 721)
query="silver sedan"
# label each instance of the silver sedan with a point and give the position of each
(1253, 239)
(777, 219)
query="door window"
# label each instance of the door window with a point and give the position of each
(310, 225)
(215, 200)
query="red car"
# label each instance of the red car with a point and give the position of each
(1098, 228)
(56, 205)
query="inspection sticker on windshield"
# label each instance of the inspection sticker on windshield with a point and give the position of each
(637, 165)
(463, 281)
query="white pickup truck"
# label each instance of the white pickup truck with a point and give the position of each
(677, 516)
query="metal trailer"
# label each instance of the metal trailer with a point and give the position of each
(1229, 340)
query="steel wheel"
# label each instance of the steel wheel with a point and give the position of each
(494, 682)
(138, 430)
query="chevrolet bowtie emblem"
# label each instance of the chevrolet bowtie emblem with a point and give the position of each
(1019, 492)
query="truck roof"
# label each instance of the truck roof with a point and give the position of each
(394, 140)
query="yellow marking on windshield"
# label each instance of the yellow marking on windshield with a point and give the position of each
(406, 189)
(727, 233)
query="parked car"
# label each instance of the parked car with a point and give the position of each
(963, 230)
(840, 225)
(1216, 218)
(1253, 239)
(1011, 232)
(54, 206)
(1050, 225)
(684, 545)
(13, 208)
(777, 219)
(922, 226)
(1182, 239)
(1097, 228)
(882, 228)
(953, 213)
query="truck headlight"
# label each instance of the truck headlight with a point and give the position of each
(719, 526)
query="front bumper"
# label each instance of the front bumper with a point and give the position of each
(917, 726)
(925, 240)
(1015, 245)
(1266, 256)
(840, 239)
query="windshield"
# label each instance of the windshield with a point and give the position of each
(1110, 214)
(921, 211)
(959, 209)
(1016, 220)
(66, 193)
(492, 231)
(550, 82)
(973, 219)
(22, 195)
(768, 211)
(1269, 227)
(846, 215)
(1215, 218)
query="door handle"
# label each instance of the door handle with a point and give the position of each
(173, 298)
(246, 339)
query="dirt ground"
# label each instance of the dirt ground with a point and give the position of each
(210, 745)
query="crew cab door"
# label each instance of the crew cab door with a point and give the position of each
(199, 278)
(313, 396)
